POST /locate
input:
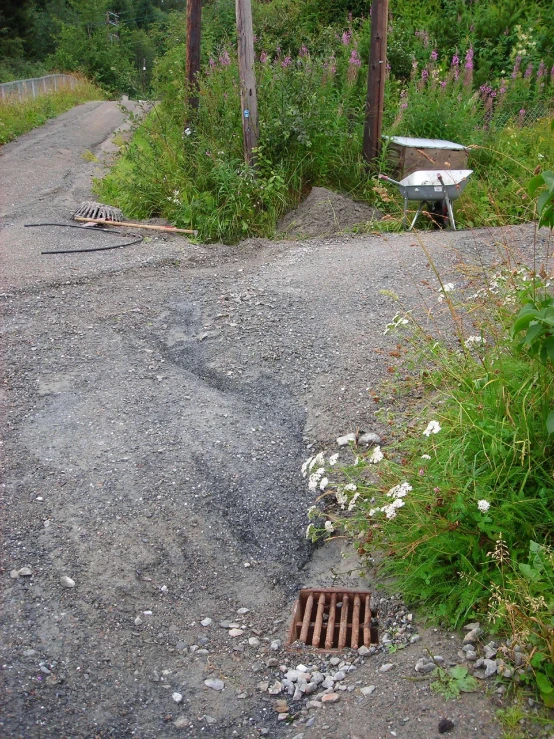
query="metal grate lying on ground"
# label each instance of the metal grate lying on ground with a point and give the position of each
(333, 619)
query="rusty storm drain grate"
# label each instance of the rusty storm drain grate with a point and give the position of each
(333, 619)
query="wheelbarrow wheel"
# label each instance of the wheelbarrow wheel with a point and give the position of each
(439, 214)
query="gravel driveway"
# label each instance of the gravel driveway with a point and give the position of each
(158, 403)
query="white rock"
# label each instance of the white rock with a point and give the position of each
(236, 632)
(206, 622)
(214, 684)
(387, 667)
(67, 582)
(177, 697)
(276, 688)
(368, 690)
(14, 574)
(363, 650)
(243, 611)
(138, 621)
(346, 439)
(254, 641)
(25, 572)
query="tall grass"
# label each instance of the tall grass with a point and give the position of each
(18, 117)
(311, 127)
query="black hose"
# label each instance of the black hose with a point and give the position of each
(138, 240)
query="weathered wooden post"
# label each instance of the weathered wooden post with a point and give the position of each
(194, 25)
(376, 75)
(248, 97)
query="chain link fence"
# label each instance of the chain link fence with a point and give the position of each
(23, 89)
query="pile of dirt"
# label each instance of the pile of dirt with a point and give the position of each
(324, 213)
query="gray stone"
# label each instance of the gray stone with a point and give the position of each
(206, 622)
(386, 667)
(368, 690)
(14, 574)
(340, 675)
(330, 698)
(489, 652)
(363, 650)
(214, 684)
(275, 645)
(236, 632)
(67, 582)
(472, 626)
(415, 638)
(424, 665)
(177, 697)
(282, 716)
(254, 641)
(490, 667)
(346, 439)
(314, 704)
(25, 572)
(243, 611)
(472, 636)
(334, 661)
(276, 688)
(369, 438)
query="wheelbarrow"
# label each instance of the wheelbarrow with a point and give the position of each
(438, 187)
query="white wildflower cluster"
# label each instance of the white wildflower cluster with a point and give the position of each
(425, 456)
(398, 492)
(447, 287)
(315, 478)
(376, 456)
(400, 319)
(342, 497)
(483, 505)
(472, 341)
(329, 526)
(433, 427)
(353, 500)
(333, 459)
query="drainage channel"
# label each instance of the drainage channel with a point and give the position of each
(333, 619)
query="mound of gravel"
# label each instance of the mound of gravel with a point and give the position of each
(324, 213)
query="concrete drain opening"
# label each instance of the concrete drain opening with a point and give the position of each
(333, 618)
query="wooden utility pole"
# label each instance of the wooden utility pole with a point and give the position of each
(194, 24)
(248, 97)
(376, 80)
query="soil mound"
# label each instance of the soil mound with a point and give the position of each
(324, 213)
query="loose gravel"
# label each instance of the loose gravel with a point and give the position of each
(158, 405)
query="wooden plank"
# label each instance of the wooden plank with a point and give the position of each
(376, 80)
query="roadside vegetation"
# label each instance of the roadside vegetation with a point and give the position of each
(462, 503)
(19, 116)
(189, 167)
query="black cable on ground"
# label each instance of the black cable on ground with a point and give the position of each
(138, 240)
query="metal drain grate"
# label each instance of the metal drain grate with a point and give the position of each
(333, 619)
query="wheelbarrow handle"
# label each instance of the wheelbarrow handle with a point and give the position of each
(389, 179)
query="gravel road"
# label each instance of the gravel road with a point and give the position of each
(158, 402)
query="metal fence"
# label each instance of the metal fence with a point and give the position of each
(22, 89)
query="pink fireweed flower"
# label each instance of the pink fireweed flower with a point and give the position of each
(517, 65)
(212, 63)
(404, 106)
(346, 36)
(264, 57)
(455, 61)
(442, 83)
(434, 56)
(354, 60)
(424, 74)
(303, 51)
(225, 59)
(469, 59)
(528, 71)
(287, 61)
(541, 70)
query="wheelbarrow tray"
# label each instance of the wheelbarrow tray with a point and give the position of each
(426, 185)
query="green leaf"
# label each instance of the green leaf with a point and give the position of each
(545, 686)
(542, 200)
(529, 572)
(534, 184)
(534, 332)
(550, 423)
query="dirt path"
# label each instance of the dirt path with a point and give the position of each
(159, 401)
